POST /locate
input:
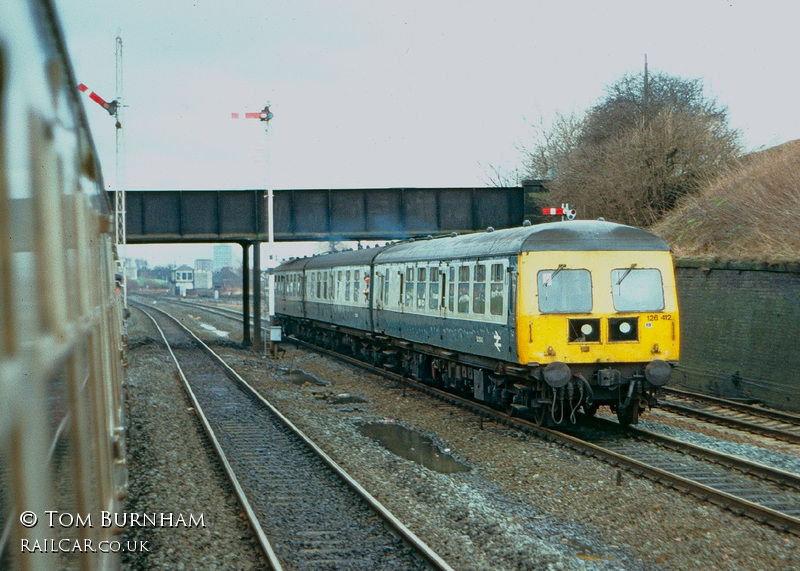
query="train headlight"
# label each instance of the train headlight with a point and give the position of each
(657, 372)
(623, 329)
(557, 374)
(584, 330)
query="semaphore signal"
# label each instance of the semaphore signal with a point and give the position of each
(111, 106)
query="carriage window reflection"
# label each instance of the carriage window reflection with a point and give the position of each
(565, 291)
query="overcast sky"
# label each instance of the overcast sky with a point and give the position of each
(370, 93)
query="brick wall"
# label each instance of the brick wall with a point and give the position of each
(740, 331)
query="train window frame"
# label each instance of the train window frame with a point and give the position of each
(629, 277)
(497, 284)
(463, 295)
(433, 288)
(410, 301)
(545, 279)
(479, 291)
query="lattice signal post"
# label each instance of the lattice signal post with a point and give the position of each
(114, 108)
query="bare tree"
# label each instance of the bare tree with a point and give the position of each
(551, 144)
(649, 142)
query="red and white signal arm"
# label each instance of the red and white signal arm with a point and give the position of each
(570, 213)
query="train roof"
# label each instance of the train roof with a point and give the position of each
(363, 257)
(571, 235)
(578, 235)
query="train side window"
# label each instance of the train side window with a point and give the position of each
(433, 288)
(409, 301)
(463, 289)
(402, 288)
(496, 290)
(347, 286)
(479, 290)
(565, 291)
(451, 295)
(421, 287)
(386, 287)
(356, 284)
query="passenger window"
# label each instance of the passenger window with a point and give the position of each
(409, 302)
(637, 289)
(463, 289)
(356, 284)
(421, 294)
(479, 290)
(347, 286)
(433, 291)
(565, 291)
(451, 289)
(496, 290)
(386, 287)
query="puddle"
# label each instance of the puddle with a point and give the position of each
(215, 331)
(302, 378)
(412, 445)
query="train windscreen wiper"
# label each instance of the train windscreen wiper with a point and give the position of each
(625, 275)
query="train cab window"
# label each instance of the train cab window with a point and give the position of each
(433, 289)
(637, 289)
(463, 289)
(496, 290)
(479, 290)
(565, 291)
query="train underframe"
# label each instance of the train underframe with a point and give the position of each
(526, 392)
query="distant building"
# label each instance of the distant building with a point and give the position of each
(223, 256)
(131, 269)
(182, 280)
(203, 274)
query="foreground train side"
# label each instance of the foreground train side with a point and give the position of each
(61, 441)
(541, 320)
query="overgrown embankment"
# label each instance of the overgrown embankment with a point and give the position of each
(752, 212)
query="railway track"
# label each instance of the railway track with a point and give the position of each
(305, 510)
(747, 488)
(775, 424)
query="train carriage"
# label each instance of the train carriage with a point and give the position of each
(542, 320)
(62, 422)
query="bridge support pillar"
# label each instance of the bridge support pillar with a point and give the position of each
(246, 294)
(257, 341)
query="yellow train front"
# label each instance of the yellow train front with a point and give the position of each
(597, 318)
(544, 321)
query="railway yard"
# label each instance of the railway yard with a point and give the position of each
(483, 495)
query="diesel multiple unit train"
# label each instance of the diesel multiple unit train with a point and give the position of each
(62, 453)
(542, 320)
